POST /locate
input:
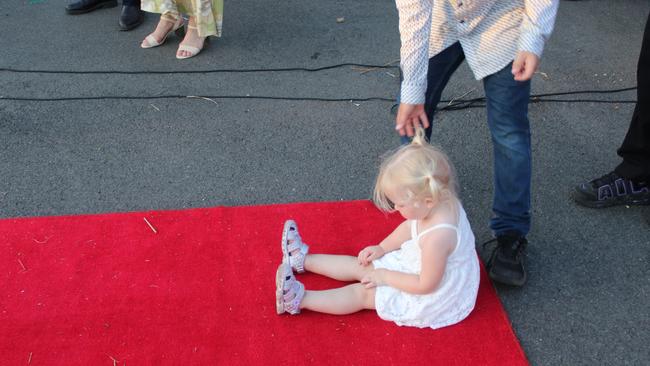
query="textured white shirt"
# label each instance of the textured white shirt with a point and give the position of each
(491, 33)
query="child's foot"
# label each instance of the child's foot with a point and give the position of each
(288, 291)
(294, 250)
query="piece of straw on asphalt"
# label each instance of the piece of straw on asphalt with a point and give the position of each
(364, 70)
(206, 98)
(456, 98)
(151, 226)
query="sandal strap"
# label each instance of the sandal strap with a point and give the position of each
(168, 18)
(290, 290)
(294, 242)
(297, 261)
(152, 41)
(190, 49)
(292, 304)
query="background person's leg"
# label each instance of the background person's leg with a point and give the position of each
(635, 149)
(629, 183)
(440, 69)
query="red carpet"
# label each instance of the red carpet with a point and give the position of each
(107, 290)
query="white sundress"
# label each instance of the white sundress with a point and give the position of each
(454, 298)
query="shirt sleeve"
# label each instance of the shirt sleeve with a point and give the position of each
(414, 29)
(539, 19)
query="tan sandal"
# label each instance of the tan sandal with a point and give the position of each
(191, 49)
(176, 28)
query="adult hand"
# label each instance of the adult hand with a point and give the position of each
(410, 116)
(369, 254)
(524, 65)
(374, 278)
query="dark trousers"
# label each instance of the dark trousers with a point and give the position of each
(131, 2)
(635, 149)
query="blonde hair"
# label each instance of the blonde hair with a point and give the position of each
(419, 169)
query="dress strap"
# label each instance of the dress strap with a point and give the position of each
(414, 229)
(439, 226)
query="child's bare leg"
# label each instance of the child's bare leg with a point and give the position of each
(338, 267)
(343, 300)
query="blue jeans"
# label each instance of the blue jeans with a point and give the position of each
(507, 114)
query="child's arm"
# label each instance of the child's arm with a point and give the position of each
(391, 242)
(436, 248)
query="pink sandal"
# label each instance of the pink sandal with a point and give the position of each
(294, 250)
(288, 291)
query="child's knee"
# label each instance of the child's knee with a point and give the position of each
(364, 270)
(366, 295)
(369, 298)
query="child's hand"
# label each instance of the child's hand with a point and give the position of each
(374, 278)
(369, 254)
(524, 65)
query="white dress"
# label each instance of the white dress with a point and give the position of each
(452, 301)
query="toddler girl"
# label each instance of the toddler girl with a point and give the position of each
(424, 274)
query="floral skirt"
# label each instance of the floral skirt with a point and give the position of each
(208, 13)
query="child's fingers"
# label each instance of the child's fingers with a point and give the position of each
(363, 257)
(517, 65)
(424, 120)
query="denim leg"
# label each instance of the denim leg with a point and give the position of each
(440, 69)
(507, 111)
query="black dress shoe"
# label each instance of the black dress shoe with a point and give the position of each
(130, 17)
(85, 6)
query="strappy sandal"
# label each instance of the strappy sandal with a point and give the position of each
(177, 28)
(191, 49)
(294, 250)
(288, 291)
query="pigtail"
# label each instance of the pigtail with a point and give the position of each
(433, 186)
(419, 138)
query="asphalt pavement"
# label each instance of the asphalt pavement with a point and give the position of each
(587, 298)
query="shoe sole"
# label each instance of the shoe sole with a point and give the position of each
(581, 200)
(279, 286)
(88, 10)
(285, 233)
(507, 281)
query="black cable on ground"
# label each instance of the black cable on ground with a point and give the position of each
(307, 69)
(451, 105)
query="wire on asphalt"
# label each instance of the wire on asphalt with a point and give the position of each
(450, 105)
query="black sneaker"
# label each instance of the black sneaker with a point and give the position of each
(506, 263)
(611, 190)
